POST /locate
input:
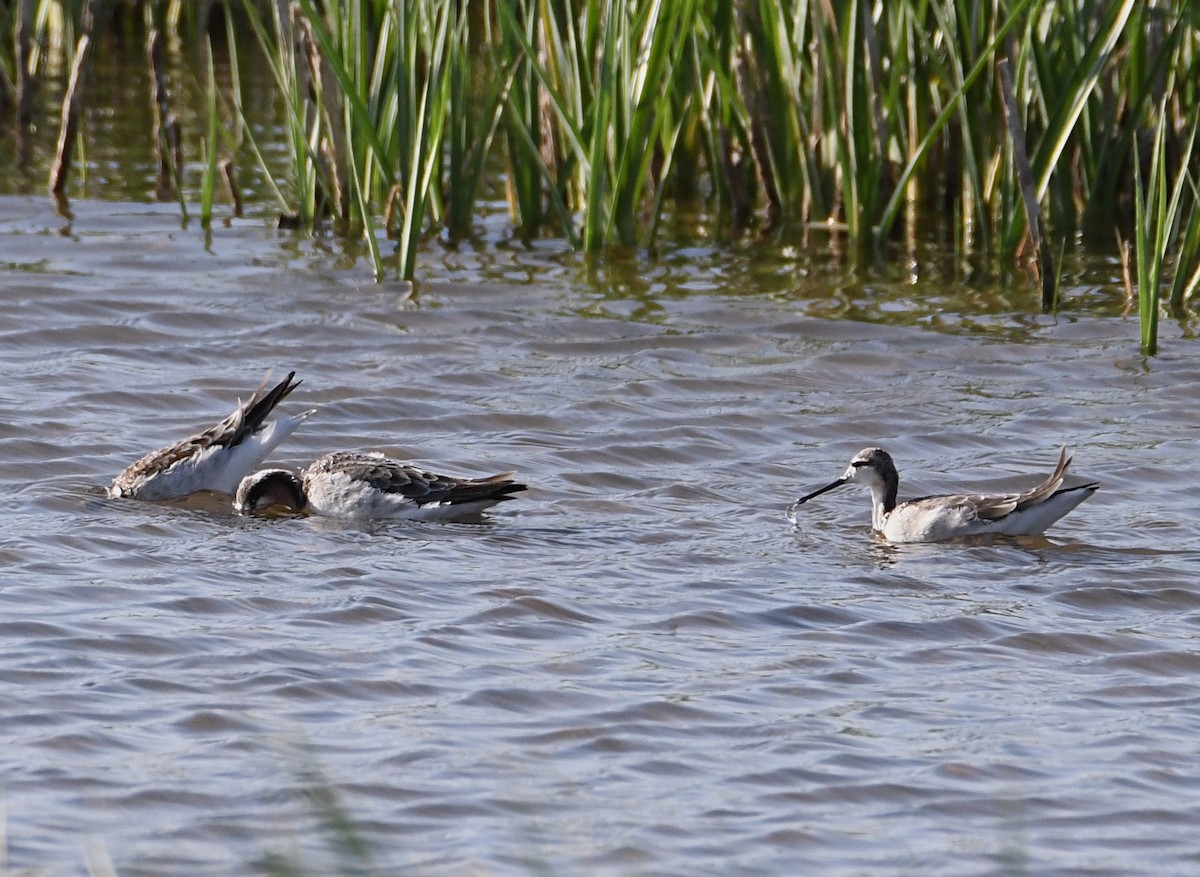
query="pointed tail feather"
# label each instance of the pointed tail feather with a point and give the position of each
(1047, 488)
(496, 488)
(259, 407)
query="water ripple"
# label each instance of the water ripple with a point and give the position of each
(637, 668)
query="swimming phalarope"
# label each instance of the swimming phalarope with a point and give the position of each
(350, 485)
(219, 457)
(934, 518)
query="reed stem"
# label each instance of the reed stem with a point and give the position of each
(71, 110)
(984, 126)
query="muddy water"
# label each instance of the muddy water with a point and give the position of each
(638, 668)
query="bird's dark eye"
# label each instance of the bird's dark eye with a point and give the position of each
(858, 464)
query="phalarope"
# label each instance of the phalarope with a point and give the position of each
(216, 459)
(351, 485)
(934, 518)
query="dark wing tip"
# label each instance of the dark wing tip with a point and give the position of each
(459, 491)
(283, 388)
(506, 489)
(496, 487)
(261, 404)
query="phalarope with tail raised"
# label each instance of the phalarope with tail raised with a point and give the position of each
(351, 485)
(934, 518)
(218, 458)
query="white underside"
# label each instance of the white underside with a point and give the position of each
(340, 496)
(941, 518)
(217, 468)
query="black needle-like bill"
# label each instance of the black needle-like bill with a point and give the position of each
(816, 493)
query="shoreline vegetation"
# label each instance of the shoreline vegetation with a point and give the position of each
(1005, 130)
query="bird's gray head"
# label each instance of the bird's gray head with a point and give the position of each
(871, 465)
(270, 488)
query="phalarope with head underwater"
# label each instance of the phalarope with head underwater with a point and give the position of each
(352, 485)
(934, 518)
(218, 458)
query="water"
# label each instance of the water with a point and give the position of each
(638, 667)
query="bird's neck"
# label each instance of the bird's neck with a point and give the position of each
(883, 500)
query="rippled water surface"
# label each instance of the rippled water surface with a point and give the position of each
(639, 668)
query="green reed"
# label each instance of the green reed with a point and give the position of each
(863, 115)
(884, 121)
(278, 40)
(375, 95)
(592, 116)
(350, 849)
(1161, 230)
(209, 175)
